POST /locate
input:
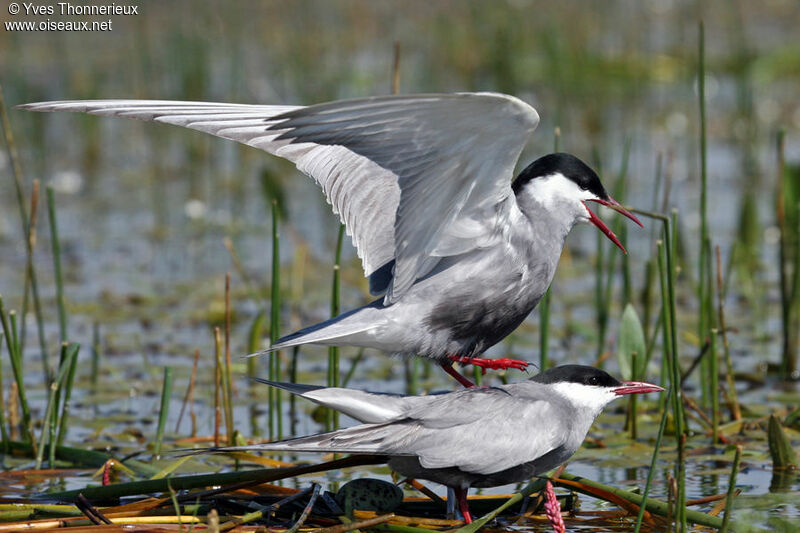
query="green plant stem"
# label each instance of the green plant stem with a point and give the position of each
(82, 458)
(332, 419)
(680, 414)
(228, 382)
(54, 241)
(544, 330)
(178, 483)
(166, 394)
(275, 412)
(731, 490)
(96, 349)
(69, 352)
(654, 506)
(651, 472)
(713, 353)
(3, 429)
(9, 323)
(703, 274)
(70, 380)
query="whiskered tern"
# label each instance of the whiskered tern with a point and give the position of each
(458, 252)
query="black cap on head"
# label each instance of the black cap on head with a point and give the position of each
(567, 165)
(585, 375)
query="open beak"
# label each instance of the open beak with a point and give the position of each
(634, 387)
(615, 205)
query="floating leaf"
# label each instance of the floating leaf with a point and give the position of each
(629, 341)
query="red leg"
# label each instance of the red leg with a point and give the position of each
(494, 364)
(448, 367)
(463, 504)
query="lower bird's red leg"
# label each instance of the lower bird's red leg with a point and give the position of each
(463, 504)
(494, 364)
(448, 367)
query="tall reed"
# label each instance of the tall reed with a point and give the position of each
(544, 303)
(11, 332)
(28, 224)
(55, 243)
(163, 413)
(332, 416)
(275, 397)
(788, 220)
(705, 287)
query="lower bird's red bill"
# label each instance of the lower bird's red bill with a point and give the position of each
(634, 387)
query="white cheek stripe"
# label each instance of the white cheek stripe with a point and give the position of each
(547, 190)
(589, 397)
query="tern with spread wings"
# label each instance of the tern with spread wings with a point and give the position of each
(458, 253)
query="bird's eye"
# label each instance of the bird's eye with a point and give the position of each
(593, 380)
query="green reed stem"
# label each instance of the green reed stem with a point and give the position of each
(680, 414)
(292, 397)
(601, 306)
(544, 330)
(788, 222)
(228, 374)
(353, 366)
(166, 394)
(632, 398)
(544, 303)
(254, 336)
(67, 387)
(3, 429)
(731, 490)
(31, 280)
(9, 323)
(69, 352)
(54, 241)
(332, 418)
(654, 506)
(275, 412)
(96, 351)
(713, 353)
(27, 227)
(705, 287)
(651, 472)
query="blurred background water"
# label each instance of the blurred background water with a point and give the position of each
(144, 209)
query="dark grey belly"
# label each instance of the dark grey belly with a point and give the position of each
(455, 477)
(478, 324)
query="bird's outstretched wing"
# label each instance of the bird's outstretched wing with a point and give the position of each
(414, 178)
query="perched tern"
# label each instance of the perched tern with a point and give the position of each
(477, 437)
(459, 253)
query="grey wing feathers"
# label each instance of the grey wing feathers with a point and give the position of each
(363, 439)
(481, 430)
(363, 194)
(295, 388)
(414, 178)
(453, 156)
(368, 407)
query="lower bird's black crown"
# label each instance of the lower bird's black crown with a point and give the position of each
(584, 375)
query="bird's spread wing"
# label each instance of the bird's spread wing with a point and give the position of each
(414, 178)
(452, 155)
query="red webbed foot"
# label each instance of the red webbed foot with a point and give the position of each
(493, 364)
